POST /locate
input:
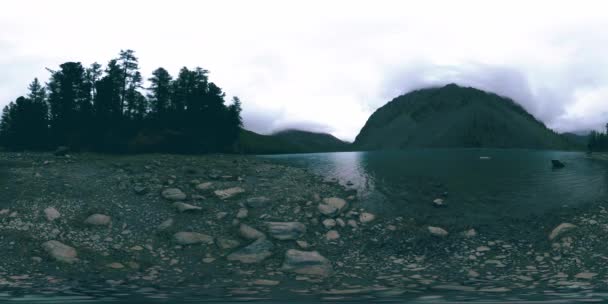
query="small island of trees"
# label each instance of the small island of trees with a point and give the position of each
(109, 110)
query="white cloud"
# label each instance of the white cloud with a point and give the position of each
(327, 65)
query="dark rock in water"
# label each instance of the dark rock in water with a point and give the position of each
(61, 151)
(557, 164)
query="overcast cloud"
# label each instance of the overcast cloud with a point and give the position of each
(327, 65)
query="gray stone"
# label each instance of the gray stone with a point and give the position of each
(228, 193)
(438, 202)
(190, 238)
(227, 243)
(174, 194)
(437, 231)
(243, 213)
(60, 252)
(329, 223)
(332, 206)
(183, 207)
(166, 224)
(51, 214)
(307, 262)
(561, 229)
(98, 220)
(253, 253)
(286, 230)
(366, 217)
(332, 235)
(250, 233)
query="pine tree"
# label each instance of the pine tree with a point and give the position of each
(160, 95)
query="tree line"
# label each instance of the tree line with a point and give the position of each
(109, 110)
(598, 141)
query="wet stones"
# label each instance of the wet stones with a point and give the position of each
(183, 207)
(173, 194)
(255, 252)
(191, 238)
(437, 231)
(307, 262)
(51, 214)
(332, 206)
(60, 251)
(228, 193)
(286, 230)
(560, 230)
(98, 220)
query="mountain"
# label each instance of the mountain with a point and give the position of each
(454, 116)
(289, 141)
(577, 138)
(311, 141)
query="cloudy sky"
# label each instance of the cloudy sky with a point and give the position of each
(328, 65)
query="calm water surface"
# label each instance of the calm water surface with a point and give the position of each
(480, 186)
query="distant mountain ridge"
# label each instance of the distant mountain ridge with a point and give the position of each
(454, 116)
(289, 141)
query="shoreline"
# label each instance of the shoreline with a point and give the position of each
(362, 256)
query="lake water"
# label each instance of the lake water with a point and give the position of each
(480, 186)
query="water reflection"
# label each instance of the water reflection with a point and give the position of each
(480, 186)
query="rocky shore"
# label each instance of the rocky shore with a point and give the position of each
(163, 226)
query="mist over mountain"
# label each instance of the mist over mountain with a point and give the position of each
(454, 116)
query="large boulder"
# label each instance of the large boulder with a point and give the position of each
(60, 251)
(191, 238)
(560, 230)
(332, 206)
(307, 262)
(253, 253)
(173, 194)
(286, 230)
